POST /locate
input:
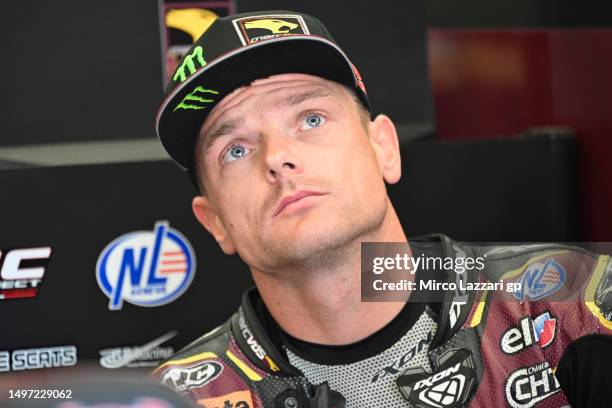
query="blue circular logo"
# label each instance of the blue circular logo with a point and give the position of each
(146, 268)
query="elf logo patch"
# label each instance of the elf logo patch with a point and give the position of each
(448, 386)
(540, 330)
(257, 28)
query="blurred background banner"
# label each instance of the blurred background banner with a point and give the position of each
(101, 223)
(502, 111)
(74, 72)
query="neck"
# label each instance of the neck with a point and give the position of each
(324, 306)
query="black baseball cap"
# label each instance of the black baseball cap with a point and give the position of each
(233, 52)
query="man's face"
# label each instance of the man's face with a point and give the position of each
(290, 172)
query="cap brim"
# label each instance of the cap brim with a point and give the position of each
(177, 129)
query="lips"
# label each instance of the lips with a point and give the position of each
(285, 201)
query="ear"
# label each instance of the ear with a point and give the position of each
(384, 141)
(209, 218)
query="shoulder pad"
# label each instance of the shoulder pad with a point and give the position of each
(210, 369)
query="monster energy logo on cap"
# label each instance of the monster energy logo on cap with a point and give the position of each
(195, 100)
(189, 64)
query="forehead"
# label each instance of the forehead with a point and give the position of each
(277, 91)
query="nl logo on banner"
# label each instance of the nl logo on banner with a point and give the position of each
(146, 268)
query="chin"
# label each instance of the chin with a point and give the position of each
(321, 234)
(313, 243)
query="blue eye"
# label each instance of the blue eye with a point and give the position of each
(235, 152)
(313, 120)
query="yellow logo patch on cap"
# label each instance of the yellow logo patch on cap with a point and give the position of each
(257, 28)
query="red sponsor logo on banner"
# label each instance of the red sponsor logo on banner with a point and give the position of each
(22, 270)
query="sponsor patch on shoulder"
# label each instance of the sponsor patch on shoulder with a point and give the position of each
(257, 28)
(540, 280)
(183, 379)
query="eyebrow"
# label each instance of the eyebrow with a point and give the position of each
(225, 129)
(296, 99)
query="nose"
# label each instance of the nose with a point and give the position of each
(281, 161)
